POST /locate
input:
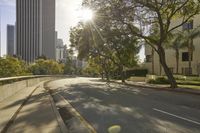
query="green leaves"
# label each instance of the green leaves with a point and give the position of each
(10, 66)
(107, 41)
(46, 67)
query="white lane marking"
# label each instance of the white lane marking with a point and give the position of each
(186, 119)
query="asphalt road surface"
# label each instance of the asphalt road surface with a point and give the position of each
(135, 110)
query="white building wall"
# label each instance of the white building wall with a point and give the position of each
(171, 57)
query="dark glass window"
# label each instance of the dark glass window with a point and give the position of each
(185, 56)
(188, 25)
(148, 58)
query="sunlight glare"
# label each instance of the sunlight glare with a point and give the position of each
(86, 15)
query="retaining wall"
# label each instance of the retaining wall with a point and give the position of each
(8, 90)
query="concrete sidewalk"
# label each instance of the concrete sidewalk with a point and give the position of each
(37, 115)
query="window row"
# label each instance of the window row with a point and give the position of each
(185, 57)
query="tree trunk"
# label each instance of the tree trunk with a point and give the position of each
(152, 55)
(160, 69)
(177, 61)
(102, 77)
(169, 74)
(190, 57)
(107, 76)
(122, 73)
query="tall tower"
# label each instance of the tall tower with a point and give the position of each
(10, 40)
(35, 29)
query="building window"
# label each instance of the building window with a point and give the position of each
(188, 25)
(185, 56)
(148, 58)
(186, 71)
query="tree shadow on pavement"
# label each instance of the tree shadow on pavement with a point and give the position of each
(36, 115)
(104, 106)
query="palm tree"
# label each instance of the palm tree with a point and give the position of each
(152, 62)
(187, 41)
(176, 45)
(184, 40)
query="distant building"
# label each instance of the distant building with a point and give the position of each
(61, 51)
(11, 40)
(152, 60)
(59, 43)
(35, 29)
(78, 63)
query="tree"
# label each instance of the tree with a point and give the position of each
(106, 39)
(10, 66)
(108, 43)
(68, 67)
(176, 45)
(46, 67)
(184, 40)
(188, 37)
(150, 14)
(161, 14)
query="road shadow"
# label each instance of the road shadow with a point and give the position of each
(107, 105)
(36, 115)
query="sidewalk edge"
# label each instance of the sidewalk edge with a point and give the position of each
(58, 117)
(178, 90)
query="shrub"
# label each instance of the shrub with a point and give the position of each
(46, 67)
(136, 72)
(159, 80)
(10, 66)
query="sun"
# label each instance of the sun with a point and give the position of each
(86, 14)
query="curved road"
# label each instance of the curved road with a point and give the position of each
(136, 110)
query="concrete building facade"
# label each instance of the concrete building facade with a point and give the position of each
(80, 64)
(35, 29)
(11, 40)
(152, 60)
(61, 51)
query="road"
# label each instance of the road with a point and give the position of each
(136, 110)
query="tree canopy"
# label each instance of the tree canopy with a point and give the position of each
(10, 66)
(141, 17)
(107, 41)
(46, 67)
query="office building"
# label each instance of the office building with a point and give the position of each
(35, 29)
(10, 40)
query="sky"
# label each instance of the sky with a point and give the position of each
(66, 17)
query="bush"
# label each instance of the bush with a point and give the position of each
(136, 72)
(187, 78)
(46, 67)
(159, 80)
(10, 66)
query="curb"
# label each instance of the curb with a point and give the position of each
(75, 113)
(58, 117)
(178, 90)
(60, 102)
